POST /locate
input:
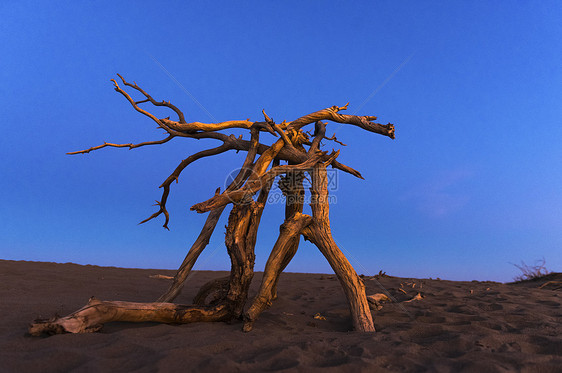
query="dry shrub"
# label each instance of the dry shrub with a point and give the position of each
(529, 272)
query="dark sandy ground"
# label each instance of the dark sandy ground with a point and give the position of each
(455, 327)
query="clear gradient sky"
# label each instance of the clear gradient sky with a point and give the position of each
(472, 183)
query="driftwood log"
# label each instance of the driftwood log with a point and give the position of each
(302, 155)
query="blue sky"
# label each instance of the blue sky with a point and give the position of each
(471, 184)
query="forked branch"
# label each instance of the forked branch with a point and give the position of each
(174, 177)
(151, 100)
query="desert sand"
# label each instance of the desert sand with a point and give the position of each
(454, 327)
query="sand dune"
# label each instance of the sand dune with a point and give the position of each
(455, 327)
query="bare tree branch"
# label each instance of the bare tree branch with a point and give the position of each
(319, 132)
(130, 146)
(200, 130)
(174, 177)
(269, 122)
(255, 184)
(153, 101)
(332, 114)
(344, 168)
(136, 106)
(181, 127)
(334, 139)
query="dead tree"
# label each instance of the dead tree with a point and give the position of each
(301, 154)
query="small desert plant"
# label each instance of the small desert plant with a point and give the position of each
(531, 272)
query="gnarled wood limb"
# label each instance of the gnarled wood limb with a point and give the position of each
(294, 157)
(210, 224)
(199, 127)
(294, 203)
(241, 235)
(319, 233)
(344, 168)
(255, 184)
(352, 285)
(252, 151)
(335, 139)
(136, 106)
(285, 247)
(332, 114)
(180, 126)
(319, 134)
(196, 249)
(175, 175)
(93, 315)
(217, 287)
(149, 98)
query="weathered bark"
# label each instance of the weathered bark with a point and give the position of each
(240, 240)
(240, 233)
(93, 315)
